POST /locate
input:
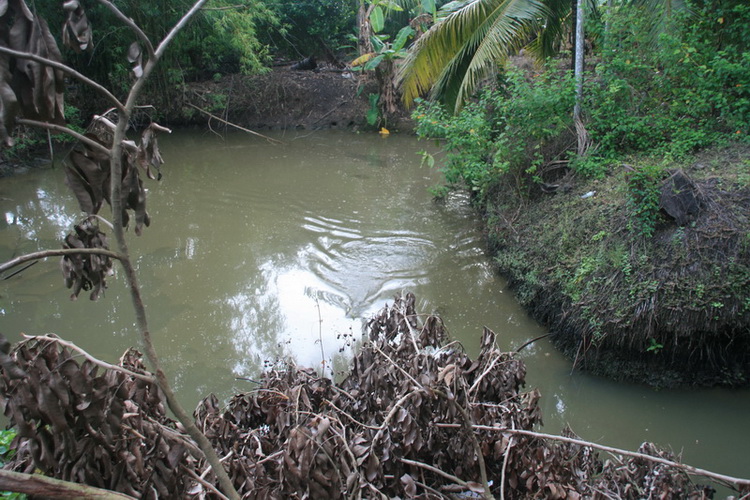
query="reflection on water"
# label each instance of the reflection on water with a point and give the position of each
(260, 251)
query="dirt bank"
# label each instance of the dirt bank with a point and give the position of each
(281, 99)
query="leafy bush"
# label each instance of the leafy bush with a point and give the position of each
(515, 131)
(643, 189)
(311, 27)
(684, 90)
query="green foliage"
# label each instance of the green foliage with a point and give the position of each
(6, 438)
(6, 453)
(513, 132)
(686, 91)
(654, 346)
(466, 138)
(643, 189)
(373, 113)
(221, 39)
(311, 27)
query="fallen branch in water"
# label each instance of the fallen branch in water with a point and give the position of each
(57, 252)
(270, 139)
(732, 482)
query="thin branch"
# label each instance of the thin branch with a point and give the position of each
(43, 254)
(505, 468)
(434, 469)
(65, 130)
(228, 7)
(47, 487)
(65, 69)
(130, 24)
(540, 337)
(733, 482)
(176, 28)
(479, 379)
(469, 426)
(205, 483)
(390, 415)
(139, 308)
(19, 271)
(96, 361)
(270, 139)
(407, 374)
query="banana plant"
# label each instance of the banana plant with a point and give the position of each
(381, 58)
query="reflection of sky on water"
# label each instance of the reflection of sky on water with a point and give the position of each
(247, 254)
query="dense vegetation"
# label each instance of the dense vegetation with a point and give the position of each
(587, 238)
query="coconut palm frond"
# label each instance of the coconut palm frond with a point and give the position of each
(554, 28)
(470, 37)
(663, 14)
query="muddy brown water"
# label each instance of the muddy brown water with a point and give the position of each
(260, 251)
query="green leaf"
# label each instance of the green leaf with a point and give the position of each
(390, 5)
(402, 37)
(373, 63)
(429, 7)
(378, 44)
(373, 113)
(377, 19)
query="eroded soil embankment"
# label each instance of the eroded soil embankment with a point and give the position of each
(667, 310)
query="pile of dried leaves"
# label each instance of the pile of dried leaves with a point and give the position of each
(412, 419)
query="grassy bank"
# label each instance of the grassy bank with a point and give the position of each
(666, 308)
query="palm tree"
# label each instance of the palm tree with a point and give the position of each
(465, 45)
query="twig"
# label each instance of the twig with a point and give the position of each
(99, 362)
(131, 24)
(402, 310)
(476, 383)
(205, 483)
(320, 340)
(732, 482)
(102, 219)
(390, 415)
(65, 69)
(469, 426)
(20, 270)
(436, 471)
(59, 128)
(540, 337)
(372, 427)
(378, 350)
(430, 489)
(271, 139)
(505, 468)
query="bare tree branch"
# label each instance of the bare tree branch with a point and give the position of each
(732, 482)
(43, 486)
(176, 29)
(270, 139)
(65, 69)
(131, 24)
(96, 361)
(65, 130)
(43, 254)
(185, 419)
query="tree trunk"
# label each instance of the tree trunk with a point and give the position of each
(578, 74)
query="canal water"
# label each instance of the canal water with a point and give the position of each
(260, 251)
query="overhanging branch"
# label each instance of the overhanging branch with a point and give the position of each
(60, 128)
(65, 69)
(43, 254)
